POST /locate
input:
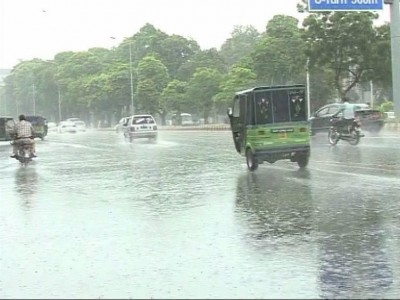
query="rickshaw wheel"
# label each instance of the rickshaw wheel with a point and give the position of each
(252, 162)
(302, 161)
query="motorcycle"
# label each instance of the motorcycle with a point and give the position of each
(24, 154)
(350, 133)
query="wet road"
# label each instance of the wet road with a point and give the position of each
(97, 217)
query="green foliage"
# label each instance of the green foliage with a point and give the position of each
(239, 45)
(203, 59)
(342, 42)
(153, 77)
(203, 86)
(387, 106)
(174, 97)
(278, 58)
(237, 79)
(171, 73)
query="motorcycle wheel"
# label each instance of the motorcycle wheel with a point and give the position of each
(355, 138)
(333, 136)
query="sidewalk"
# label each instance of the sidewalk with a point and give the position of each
(209, 127)
(392, 126)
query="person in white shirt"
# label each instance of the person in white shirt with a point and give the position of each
(348, 110)
(348, 115)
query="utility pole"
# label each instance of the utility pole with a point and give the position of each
(371, 85)
(130, 70)
(308, 88)
(395, 46)
(33, 99)
(59, 103)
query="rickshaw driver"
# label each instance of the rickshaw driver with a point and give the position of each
(23, 131)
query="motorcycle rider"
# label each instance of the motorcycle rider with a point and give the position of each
(23, 132)
(348, 115)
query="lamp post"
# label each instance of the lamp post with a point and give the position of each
(130, 70)
(131, 75)
(33, 99)
(395, 48)
(59, 94)
(308, 88)
(59, 103)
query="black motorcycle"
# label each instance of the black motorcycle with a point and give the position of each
(347, 132)
(24, 154)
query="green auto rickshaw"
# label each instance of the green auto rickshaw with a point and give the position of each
(39, 124)
(269, 123)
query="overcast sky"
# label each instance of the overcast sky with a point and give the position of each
(42, 28)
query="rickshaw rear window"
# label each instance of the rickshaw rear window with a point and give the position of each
(263, 107)
(281, 106)
(297, 105)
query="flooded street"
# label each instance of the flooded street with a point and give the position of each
(98, 217)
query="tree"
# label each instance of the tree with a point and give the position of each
(174, 98)
(204, 59)
(152, 79)
(203, 86)
(237, 79)
(279, 57)
(175, 51)
(239, 45)
(148, 41)
(381, 66)
(341, 41)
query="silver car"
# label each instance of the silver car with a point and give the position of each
(80, 125)
(66, 126)
(141, 126)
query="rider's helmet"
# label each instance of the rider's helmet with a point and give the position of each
(22, 118)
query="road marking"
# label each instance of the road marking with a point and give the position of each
(360, 165)
(393, 180)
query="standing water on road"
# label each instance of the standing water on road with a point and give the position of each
(96, 216)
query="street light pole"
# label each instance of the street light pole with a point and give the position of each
(33, 99)
(59, 93)
(130, 70)
(131, 74)
(59, 103)
(395, 48)
(308, 88)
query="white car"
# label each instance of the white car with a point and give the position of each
(52, 127)
(67, 126)
(121, 124)
(141, 126)
(80, 125)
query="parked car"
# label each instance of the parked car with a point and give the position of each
(39, 124)
(80, 125)
(141, 126)
(372, 120)
(7, 125)
(67, 126)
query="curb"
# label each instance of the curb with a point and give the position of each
(392, 126)
(389, 126)
(213, 127)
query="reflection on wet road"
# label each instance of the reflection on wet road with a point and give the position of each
(95, 216)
